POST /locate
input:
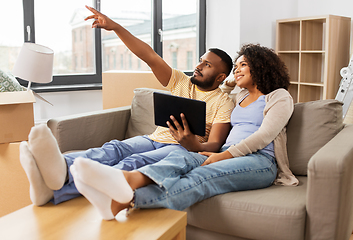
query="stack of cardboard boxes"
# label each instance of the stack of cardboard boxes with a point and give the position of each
(16, 121)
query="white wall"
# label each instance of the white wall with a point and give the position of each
(230, 23)
(324, 7)
(258, 19)
(223, 25)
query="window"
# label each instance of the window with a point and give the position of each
(135, 16)
(179, 32)
(114, 61)
(121, 61)
(174, 59)
(190, 60)
(130, 61)
(65, 34)
(107, 61)
(82, 53)
(76, 64)
(62, 30)
(11, 39)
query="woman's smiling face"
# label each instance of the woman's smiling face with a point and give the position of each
(242, 73)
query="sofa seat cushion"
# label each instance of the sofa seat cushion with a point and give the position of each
(276, 212)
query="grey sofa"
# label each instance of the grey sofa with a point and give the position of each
(320, 151)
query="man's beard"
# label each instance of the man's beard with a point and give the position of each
(204, 84)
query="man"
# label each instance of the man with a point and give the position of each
(47, 168)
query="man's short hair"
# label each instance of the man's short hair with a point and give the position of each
(225, 58)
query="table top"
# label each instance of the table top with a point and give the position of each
(78, 219)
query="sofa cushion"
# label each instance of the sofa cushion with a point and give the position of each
(311, 126)
(276, 212)
(142, 114)
(8, 83)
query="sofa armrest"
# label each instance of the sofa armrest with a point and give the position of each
(330, 189)
(93, 129)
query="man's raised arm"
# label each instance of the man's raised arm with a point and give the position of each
(142, 50)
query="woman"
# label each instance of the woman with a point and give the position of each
(248, 160)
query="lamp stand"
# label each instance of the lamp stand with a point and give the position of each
(29, 85)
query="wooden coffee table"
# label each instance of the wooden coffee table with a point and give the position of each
(78, 219)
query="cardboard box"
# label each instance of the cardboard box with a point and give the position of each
(118, 87)
(16, 116)
(14, 185)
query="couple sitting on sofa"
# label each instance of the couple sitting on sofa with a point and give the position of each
(173, 168)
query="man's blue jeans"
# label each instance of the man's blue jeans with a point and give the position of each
(181, 181)
(127, 155)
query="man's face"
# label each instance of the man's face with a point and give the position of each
(206, 72)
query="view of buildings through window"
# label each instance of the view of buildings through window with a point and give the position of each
(179, 35)
(81, 51)
(72, 39)
(135, 16)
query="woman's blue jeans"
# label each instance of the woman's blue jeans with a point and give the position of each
(181, 181)
(127, 155)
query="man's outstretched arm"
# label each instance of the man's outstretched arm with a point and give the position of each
(142, 50)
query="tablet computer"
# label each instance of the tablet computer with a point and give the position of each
(193, 110)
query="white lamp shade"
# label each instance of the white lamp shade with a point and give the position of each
(34, 63)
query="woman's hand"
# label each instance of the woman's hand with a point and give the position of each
(183, 134)
(215, 157)
(100, 20)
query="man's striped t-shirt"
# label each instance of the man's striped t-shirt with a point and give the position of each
(218, 105)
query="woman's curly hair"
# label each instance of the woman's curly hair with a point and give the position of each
(267, 70)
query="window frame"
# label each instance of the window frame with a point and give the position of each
(77, 82)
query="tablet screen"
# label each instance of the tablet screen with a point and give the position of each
(194, 111)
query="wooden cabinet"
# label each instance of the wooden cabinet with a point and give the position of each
(314, 50)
